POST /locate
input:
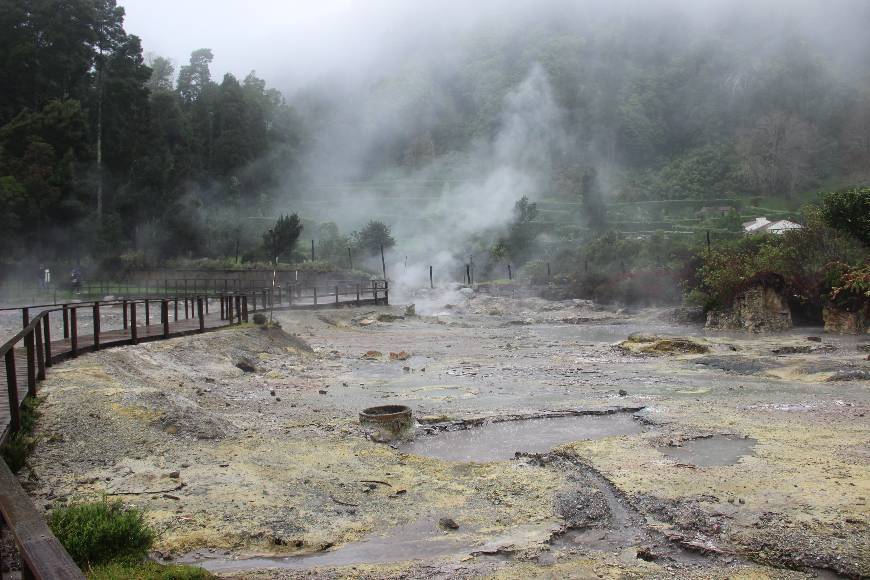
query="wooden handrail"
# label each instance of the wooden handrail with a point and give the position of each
(42, 555)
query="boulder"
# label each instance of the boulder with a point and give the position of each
(757, 309)
(845, 322)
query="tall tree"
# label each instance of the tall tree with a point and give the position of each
(195, 76)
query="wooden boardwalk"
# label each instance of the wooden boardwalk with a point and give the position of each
(62, 349)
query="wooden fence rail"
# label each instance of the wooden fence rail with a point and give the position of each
(27, 355)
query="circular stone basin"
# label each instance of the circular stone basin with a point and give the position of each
(387, 422)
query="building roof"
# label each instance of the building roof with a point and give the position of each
(756, 224)
(762, 224)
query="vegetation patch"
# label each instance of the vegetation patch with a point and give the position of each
(97, 533)
(19, 445)
(147, 571)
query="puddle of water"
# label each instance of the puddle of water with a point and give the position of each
(712, 451)
(418, 540)
(499, 441)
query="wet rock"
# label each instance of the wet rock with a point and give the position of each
(582, 507)
(246, 365)
(448, 524)
(814, 338)
(389, 317)
(373, 355)
(402, 355)
(623, 393)
(260, 318)
(850, 375)
(758, 309)
(174, 474)
(735, 364)
(863, 347)
(792, 350)
(661, 345)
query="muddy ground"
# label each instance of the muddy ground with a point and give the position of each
(718, 455)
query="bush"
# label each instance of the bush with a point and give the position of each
(147, 571)
(102, 532)
(18, 447)
(849, 211)
(260, 318)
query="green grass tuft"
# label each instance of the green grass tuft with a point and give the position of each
(147, 571)
(101, 532)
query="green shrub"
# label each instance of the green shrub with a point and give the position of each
(18, 447)
(147, 571)
(97, 533)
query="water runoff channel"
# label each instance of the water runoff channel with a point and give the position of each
(504, 440)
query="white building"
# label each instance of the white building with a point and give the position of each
(762, 224)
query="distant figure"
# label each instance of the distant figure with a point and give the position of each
(76, 277)
(46, 278)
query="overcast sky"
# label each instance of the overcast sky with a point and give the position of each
(288, 42)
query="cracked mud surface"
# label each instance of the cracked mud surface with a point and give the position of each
(267, 474)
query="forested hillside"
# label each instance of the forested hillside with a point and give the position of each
(105, 151)
(102, 151)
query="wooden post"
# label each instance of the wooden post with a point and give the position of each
(147, 314)
(386, 292)
(65, 321)
(96, 317)
(134, 332)
(245, 308)
(312, 250)
(25, 317)
(336, 295)
(254, 302)
(230, 309)
(186, 315)
(468, 273)
(238, 309)
(315, 295)
(431, 280)
(548, 273)
(124, 306)
(12, 390)
(164, 316)
(357, 294)
(375, 292)
(205, 298)
(40, 354)
(46, 335)
(510, 273)
(383, 262)
(222, 300)
(31, 364)
(200, 314)
(73, 332)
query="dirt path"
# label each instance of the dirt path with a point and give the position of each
(273, 465)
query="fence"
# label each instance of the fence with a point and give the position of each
(31, 351)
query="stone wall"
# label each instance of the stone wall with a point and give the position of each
(758, 309)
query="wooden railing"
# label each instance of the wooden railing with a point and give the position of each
(28, 354)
